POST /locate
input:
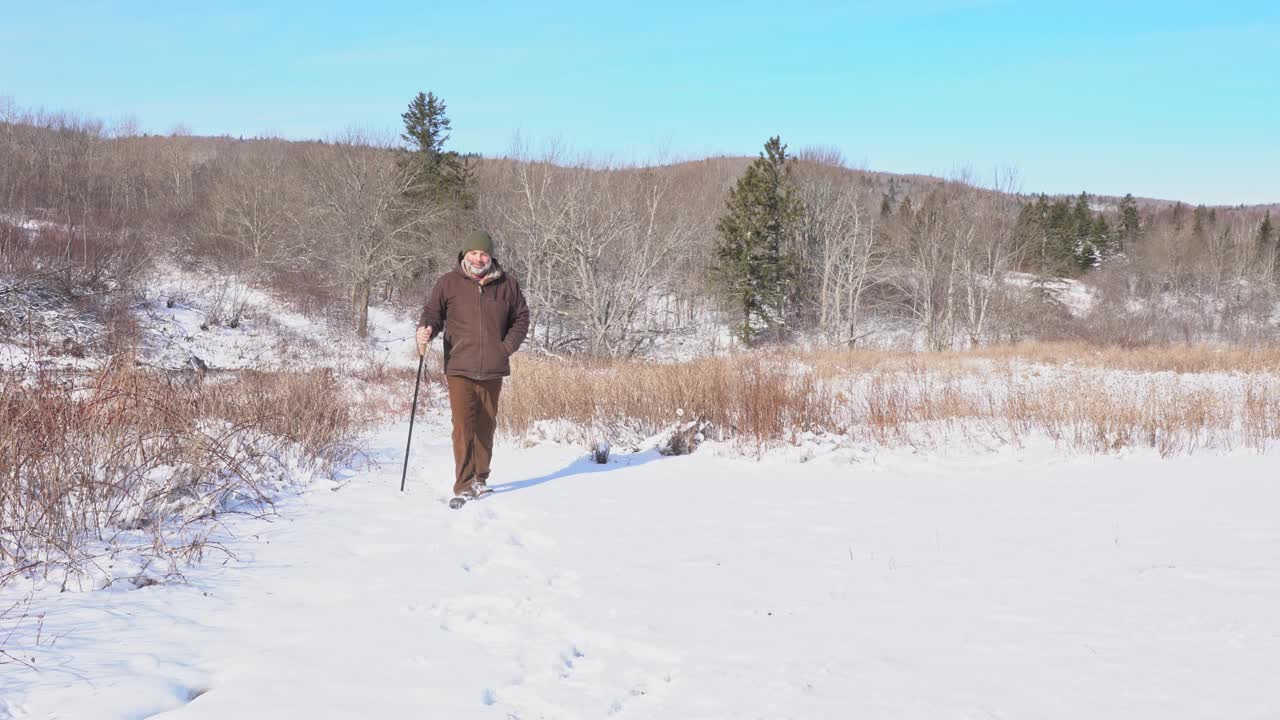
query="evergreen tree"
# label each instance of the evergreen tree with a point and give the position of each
(1030, 222)
(1062, 235)
(905, 211)
(1266, 233)
(1033, 224)
(1081, 217)
(1083, 252)
(755, 269)
(426, 130)
(1200, 223)
(1068, 235)
(1102, 242)
(886, 208)
(1130, 223)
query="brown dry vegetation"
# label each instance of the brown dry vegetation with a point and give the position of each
(1146, 358)
(138, 458)
(998, 396)
(149, 459)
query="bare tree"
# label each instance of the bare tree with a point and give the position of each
(988, 246)
(618, 272)
(840, 248)
(253, 213)
(521, 202)
(596, 248)
(367, 217)
(928, 251)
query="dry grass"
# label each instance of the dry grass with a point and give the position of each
(1149, 358)
(748, 397)
(1004, 395)
(146, 458)
(1152, 358)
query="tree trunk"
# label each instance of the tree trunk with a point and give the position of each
(360, 302)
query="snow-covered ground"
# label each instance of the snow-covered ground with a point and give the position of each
(191, 318)
(186, 314)
(1013, 584)
(1078, 297)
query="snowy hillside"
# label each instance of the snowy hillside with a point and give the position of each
(1076, 296)
(191, 319)
(225, 323)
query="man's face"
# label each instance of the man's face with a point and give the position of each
(477, 258)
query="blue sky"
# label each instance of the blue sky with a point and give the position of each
(1176, 100)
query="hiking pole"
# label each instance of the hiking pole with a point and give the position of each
(412, 413)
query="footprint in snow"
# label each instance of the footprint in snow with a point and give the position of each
(569, 659)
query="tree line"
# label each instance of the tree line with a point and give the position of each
(618, 259)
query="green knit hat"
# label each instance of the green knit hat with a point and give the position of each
(477, 240)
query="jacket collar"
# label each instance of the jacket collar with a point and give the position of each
(495, 273)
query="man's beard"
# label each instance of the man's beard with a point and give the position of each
(478, 270)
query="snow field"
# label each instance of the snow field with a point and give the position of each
(1003, 584)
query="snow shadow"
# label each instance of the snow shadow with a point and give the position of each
(368, 459)
(584, 465)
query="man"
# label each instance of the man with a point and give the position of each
(484, 319)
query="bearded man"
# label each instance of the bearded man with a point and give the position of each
(482, 314)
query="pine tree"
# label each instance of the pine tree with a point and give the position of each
(1081, 216)
(426, 127)
(1130, 222)
(1266, 233)
(1032, 226)
(1070, 237)
(1059, 236)
(755, 269)
(1101, 240)
(1269, 245)
(886, 208)
(905, 211)
(1200, 223)
(426, 130)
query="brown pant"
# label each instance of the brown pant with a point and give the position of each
(474, 405)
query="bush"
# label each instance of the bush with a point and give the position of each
(147, 458)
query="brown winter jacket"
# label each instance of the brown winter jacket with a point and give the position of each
(483, 324)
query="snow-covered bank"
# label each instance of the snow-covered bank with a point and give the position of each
(229, 324)
(196, 319)
(1013, 584)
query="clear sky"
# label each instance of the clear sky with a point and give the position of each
(1177, 100)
